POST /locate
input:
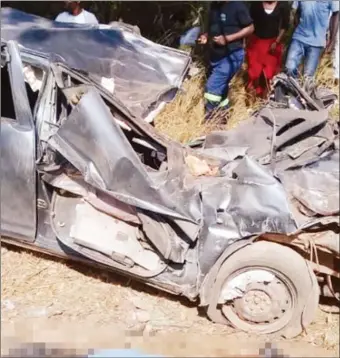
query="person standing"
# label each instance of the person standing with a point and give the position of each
(75, 14)
(336, 57)
(229, 24)
(309, 38)
(265, 49)
(333, 47)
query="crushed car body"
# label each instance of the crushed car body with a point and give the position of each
(96, 184)
(141, 74)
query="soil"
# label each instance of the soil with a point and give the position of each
(48, 300)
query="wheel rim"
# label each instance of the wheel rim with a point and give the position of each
(258, 300)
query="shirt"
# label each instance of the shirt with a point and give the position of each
(314, 21)
(266, 25)
(84, 17)
(226, 18)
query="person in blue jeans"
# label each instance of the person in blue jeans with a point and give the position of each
(229, 24)
(310, 36)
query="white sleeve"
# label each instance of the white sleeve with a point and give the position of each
(335, 6)
(60, 17)
(295, 5)
(93, 19)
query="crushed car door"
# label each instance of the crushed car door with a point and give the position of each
(18, 174)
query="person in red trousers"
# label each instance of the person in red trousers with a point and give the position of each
(264, 50)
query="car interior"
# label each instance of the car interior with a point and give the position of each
(71, 94)
(7, 104)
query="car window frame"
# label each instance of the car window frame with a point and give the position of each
(22, 109)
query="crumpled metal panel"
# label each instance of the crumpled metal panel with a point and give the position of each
(226, 154)
(112, 166)
(95, 197)
(243, 199)
(300, 149)
(316, 186)
(271, 132)
(92, 141)
(233, 209)
(288, 93)
(144, 73)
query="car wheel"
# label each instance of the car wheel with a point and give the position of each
(265, 288)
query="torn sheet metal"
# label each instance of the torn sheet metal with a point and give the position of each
(270, 135)
(251, 203)
(145, 73)
(227, 154)
(243, 198)
(300, 148)
(315, 186)
(113, 237)
(93, 196)
(288, 93)
(112, 165)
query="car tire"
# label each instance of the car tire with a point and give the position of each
(285, 304)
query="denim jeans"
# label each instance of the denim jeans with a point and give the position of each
(299, 51)
(336, 57)
(189, 37)
(221, 73)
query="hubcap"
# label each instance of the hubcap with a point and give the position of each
(255, 303)
(256, 298)
(263, 303)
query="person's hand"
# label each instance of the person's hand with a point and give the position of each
(330, 46)
(272, 47)
(203, 39)
(220, 40)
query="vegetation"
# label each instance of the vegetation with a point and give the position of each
(183, 119)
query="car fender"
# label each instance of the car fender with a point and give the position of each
(205, 288)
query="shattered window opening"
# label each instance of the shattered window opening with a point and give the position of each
(34, 78)
(149, 156)
(7, 104)
(63, 107)
(32, 89)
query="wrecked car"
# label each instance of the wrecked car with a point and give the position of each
(245, 222)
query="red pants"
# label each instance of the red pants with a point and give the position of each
(262, 61)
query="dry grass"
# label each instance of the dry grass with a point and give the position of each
(183, 119)
(325, 79)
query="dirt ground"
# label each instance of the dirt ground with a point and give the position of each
(47, 300)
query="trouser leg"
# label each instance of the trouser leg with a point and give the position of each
(312, 59)
(336, 58)
(294, 58)
(217, 86)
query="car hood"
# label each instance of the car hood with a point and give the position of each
(140, 73)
